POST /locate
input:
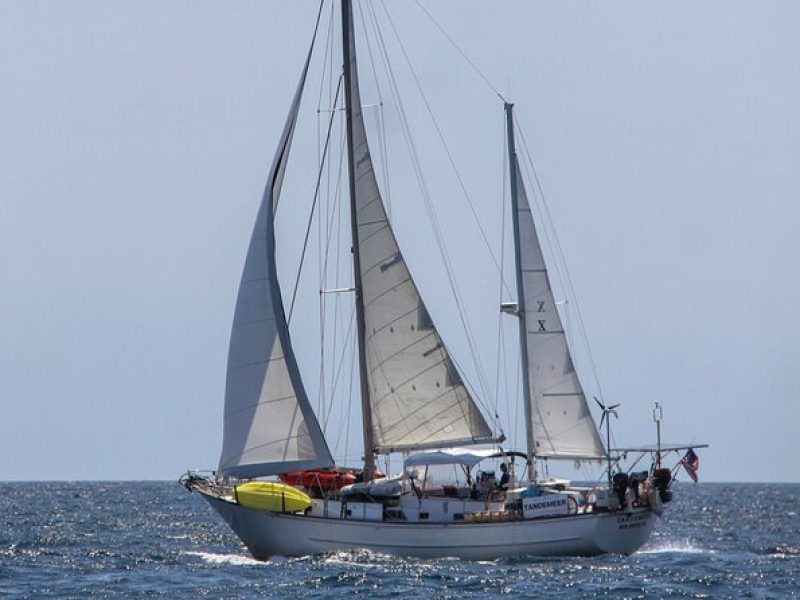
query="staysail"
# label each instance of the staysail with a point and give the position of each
(269, 426)
(561, 424)
(416, 396)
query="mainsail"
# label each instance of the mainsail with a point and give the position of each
(561, 424)
(269, 426)
(416, 396)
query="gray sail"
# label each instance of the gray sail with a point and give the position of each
(417, 397)
(269, 426)
(561, 422)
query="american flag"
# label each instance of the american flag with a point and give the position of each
(691, 462)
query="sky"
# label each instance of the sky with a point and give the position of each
(135, 139)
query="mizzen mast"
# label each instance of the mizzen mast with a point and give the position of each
(520, 312)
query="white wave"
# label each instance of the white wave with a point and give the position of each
(237, 560)
(358, 558)
(675, 548)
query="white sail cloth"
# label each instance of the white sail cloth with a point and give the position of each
(562, 424)
(417, 397)
(269, 426)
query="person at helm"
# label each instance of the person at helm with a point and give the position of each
(505, 478)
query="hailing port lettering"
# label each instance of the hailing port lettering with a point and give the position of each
(632, 521)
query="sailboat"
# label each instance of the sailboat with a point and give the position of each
(413, 402)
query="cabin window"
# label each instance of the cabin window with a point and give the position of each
(423, 516)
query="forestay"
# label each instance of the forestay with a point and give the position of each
(561, 421)
(417, 397)
(269, 426)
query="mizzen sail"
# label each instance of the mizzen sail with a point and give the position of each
(561, 423)
(269, 426)
(416, 396)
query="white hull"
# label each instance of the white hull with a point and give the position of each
(271, 534)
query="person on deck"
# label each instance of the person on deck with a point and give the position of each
(504, 478)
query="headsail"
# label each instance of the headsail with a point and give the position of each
(561, 423)
(416, 396)
(269, 424)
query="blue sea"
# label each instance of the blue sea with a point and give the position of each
(75, 540)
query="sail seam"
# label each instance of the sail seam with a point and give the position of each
(260, 403)
(444, 410)
(428, 437)
(395, 320)
(386, 359)
(253, 364)
(394, 258)
(251, 449)
(410, 380)
(389, 290)
(240, 324)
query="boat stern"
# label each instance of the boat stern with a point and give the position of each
(625, 532)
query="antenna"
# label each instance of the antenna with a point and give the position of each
(658, 415)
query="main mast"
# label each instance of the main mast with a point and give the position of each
(366, 406)
(523, 344)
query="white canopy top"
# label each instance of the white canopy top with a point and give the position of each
(452, 456)
(661, 448)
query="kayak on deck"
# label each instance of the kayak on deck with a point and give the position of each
(271, 497)
(329, 479)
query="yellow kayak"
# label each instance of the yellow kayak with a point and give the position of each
(271, 497)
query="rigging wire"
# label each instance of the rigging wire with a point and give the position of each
(325, 61)
(330, 248)
(334, 220)
(345, 428)
(313, 207)
(518, 393)
(379, 120)
(440, 134)
(338, 370)
(470, 62)
(327, 75)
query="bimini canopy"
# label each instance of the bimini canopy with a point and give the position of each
(468, 457)
(663, 448)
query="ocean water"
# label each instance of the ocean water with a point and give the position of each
(132, 539)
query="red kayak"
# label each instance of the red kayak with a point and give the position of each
(325, 479)
(330, 479)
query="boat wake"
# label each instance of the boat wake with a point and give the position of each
(358, 558)
(237, 560)
(675, 548)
